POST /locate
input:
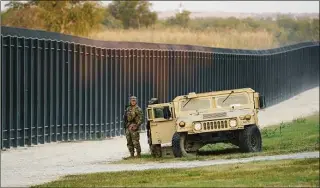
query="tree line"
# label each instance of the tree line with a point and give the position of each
(82, 17)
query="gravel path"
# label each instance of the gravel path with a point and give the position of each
(43, 163)
(301, 105)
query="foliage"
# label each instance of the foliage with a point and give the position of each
(110, 21)
(15, 5)
(298, 30)
(181, 19)
(70, 17)
(133, 14)
(177, 35)
(286, 30)
(85, 18)
(22, 16)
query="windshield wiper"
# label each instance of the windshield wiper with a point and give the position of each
(228, 96)
(187, 102)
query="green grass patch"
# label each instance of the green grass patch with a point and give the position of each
(303, 172)
(300, 135)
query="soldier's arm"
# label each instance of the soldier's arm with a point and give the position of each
(139, 117)
(129, 114)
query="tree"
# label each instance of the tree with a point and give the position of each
(70, 17)
(315, 29)
(182, 19)
(109, 21)
(22, 15)
(15, 5)
(133, 14)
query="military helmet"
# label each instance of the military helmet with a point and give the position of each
(133, 98)
(153, 101)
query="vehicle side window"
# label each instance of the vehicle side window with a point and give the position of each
(158, 113)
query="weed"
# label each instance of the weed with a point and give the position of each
(300, 120)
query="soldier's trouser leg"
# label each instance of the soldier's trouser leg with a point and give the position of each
(129, 142)
(135, 135)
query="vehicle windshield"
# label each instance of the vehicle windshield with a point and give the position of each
(235, 100)
(195, 104)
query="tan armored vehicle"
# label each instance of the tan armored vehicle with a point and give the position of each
(189, 122)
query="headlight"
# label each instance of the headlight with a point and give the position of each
(247, 117)
(233, 123)
(182, 124)
(197, 126)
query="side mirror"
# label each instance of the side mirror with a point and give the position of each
(166, 112)
(262, 102)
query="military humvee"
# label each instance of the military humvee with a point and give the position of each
(183, 126)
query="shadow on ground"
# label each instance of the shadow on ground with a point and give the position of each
(219, 152)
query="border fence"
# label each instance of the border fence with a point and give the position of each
(57, 87)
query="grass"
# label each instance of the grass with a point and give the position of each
(303, 172)
(300, 135)
(224, 39)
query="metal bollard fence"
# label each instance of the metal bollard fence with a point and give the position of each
(57, 87)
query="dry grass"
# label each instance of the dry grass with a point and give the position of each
(227, 39)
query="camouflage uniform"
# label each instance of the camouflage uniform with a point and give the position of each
(134, 116)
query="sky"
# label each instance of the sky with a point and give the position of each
(234, 6)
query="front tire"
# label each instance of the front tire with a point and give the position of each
(176, 145)
(179, 141)
(250, 139)
(183, 141)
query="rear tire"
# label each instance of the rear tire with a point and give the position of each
(250, 139)
(156, 150)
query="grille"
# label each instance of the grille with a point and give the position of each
(214, 115)
(215, 125)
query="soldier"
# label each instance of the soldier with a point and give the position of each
(134, 121)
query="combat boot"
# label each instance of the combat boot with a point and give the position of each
(131, 156)
(138, 155)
